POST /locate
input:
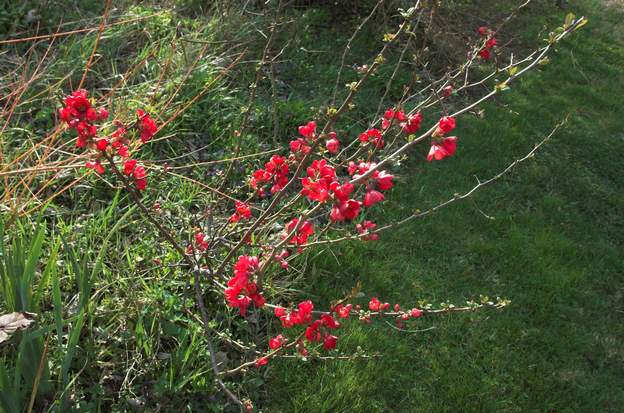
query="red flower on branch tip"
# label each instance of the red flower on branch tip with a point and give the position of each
(332, 145)
(343, 311)
(329, 342)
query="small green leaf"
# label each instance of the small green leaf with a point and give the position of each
(569, 19)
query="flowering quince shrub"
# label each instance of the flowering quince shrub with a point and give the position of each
(326, 186)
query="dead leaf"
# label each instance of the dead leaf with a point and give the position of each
(10, 323)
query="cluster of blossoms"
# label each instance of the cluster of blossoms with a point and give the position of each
(401, 315)
(80, 115)
(409, 124)
(441, 146)
(275, 172)
(303, 231)
(485, 53)
(316, 330)
(241, 291)
(137, 172)
(242, 212)
(321, 329)
(321, 185)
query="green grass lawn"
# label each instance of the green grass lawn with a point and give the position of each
(549, 237)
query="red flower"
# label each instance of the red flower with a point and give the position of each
(346, 210)
(146, 125)
(276, 342)
(139, 172)
(484, 31)
(262, 361)
(372, 197)
(141, 184)
(491, 43)
(448, 91)
(279, 311)
(384, 180)
(96, 166)
(102, 144)
(329, 342)
(341, 192)
(391, 114)
(328, 321)
(240, 291)
(102, 114)
(276, 170)
(412, 124)
(243, 211)
(374, 136)
(303, 232)
(415, 313)
(485, 54)
(312, 333)
(446, 124)
(441, 150)
(201, 241)
(374, 304)
(300, 145)
(129, 166)
(308, 130)
(364, 228)
(332, 145)
(343, 311)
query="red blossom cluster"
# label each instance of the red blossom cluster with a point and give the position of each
(242, 212)
(316, 186)
(303, 146)
(137, 172)
(80, 115)
(241, 291)
(373, 136)
(485, 53)
(365, 228)
(441, 146)
(316, 330)
(276, 171)
(409, 124)
(147, 126)
(321, 329)
(301, 234)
